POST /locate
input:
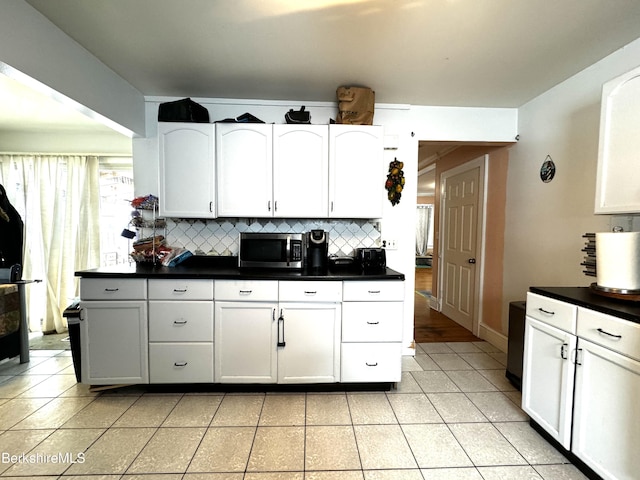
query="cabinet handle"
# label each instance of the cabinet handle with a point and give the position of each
(180, 364)
(563, 352)
(180, 322)
(310, 292)
(269, 206)
(111, 289)
(211, 207)
(618, 337)
(281, 343)
(577, 359)
(332, 205)
(245, 292)
(371, 364)
(546, 311)
(180, 290)
(372, 323)
(275, 206)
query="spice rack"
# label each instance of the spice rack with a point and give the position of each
(150, 230)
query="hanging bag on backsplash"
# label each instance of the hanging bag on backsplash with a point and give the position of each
(355, 105)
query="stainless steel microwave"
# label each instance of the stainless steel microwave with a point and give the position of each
(271, 250)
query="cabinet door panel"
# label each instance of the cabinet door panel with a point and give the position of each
(356, 171)
(245, 342)
(606, 412)
(311, 332)
(114, 342)
(244, 176)
(187, 182)
(548, 377)
(301, 171)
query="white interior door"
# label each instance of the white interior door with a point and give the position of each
(462, 199)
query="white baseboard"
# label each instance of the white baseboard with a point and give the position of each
(433, 303)
(495, 338)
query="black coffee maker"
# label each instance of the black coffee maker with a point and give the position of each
(317, 251)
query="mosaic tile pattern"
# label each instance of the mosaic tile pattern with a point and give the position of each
(220, 236)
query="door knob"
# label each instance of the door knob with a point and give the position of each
(472, 260)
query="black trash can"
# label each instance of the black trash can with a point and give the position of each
(72, 314)
(517, 313)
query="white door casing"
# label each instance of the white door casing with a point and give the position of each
(461, 242)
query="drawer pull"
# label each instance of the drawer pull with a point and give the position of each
(111, 289)
(180, 290)
(563, 352)
(372, 323)
(618, 337)
(180, 364)
(374, 292)
(546, 311)
(309, 292)
(371, 364)
(245, 292)
(179, 322)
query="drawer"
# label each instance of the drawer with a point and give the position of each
(373, 291)
(371, 362)
(302, 291)
(113, 288)
(372, 321)
(559, 314)
(181, 362)
(621, 336)
(180, 289)
(247, 290)
(171, 321)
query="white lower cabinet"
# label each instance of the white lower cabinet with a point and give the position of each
(372, 318)
(113, 331)
(588, 401)
(245, 342)
(246, 331)
(181, 331)
(113, 338)
(547, 383)
(309, 332)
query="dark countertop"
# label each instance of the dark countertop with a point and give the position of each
(225, 268)
(586, 297)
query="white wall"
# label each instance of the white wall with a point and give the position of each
(30, 45)
(60, 143)
(545, 222)
(408, 123)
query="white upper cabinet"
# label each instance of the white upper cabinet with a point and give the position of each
(187, 170)
(301, 171)
(356, 171)
(244, 163)
(617, 190)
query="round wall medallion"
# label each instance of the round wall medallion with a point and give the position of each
(548, 170)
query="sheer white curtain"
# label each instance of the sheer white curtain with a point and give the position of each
(424, 230)
(59, 200)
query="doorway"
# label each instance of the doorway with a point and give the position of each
(436, 159)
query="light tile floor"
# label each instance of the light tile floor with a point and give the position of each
(453, 416)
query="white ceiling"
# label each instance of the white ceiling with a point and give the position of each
(478, 53)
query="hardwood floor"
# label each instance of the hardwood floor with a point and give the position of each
(430, 325)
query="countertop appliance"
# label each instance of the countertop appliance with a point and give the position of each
(317, 250)
(271, 250)
(371, 260)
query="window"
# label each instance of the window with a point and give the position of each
(116, 193)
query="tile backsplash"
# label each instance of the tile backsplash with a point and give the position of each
(220, 236)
